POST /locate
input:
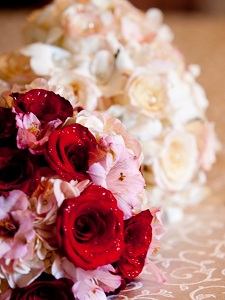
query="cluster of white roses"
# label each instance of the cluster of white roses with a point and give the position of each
(108, 55)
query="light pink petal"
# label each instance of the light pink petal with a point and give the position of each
(24, 234)
(107, 281)
(16, 200)
(5, 247)
(98, 174)
(62, 268)
(88, 290)
(156, 272)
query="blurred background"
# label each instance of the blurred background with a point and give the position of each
(186, 5)
(217, 6)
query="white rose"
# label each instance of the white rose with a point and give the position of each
(102, 66)
(177, 162)
(46, 58)
(86, 92)
(187, 99)
(147, 90)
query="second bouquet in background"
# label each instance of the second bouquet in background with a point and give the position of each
(110, 56)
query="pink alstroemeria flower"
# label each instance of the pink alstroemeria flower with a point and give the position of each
(88, 290)
(31, 133)
(119, 171)
(16, 225)
(90, 284)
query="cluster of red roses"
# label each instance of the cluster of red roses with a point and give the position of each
(40, 139)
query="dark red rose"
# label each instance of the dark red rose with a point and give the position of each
(7, 122)
(45, 105)
(45, 288)
(17, 170)
(68, 151)
(8, 128)
(90, 228)
(137, 236)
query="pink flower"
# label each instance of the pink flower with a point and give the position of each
(94, 284)
(104, 276)
(31, 134)
(118, 171)
(16, 225)
(157, 229)
(207, 142)
(102, 124)
(87, 290)
(87, 282)
(19, 263)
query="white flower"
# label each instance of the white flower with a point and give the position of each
(82, 86)
(64, 189)
(102, 66)
(45, 58)
(177, 161)
(147, 91)
(187, 99)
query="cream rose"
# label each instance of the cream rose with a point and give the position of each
(82, 86)
(147, 90)
(177, 161)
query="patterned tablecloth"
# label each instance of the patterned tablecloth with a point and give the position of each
(192, 254)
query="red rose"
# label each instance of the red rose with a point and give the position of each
(45, 105)
(137, 236)
(7, 122)
(18, 170)
(45, 288)
(15, 168)
(68, 151)
(90, 228)
(7, 126)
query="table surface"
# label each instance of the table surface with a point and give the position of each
(192, 253)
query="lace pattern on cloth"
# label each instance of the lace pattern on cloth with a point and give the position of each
(191, 257)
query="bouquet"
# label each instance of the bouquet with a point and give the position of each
(75, 219)
(108, 55)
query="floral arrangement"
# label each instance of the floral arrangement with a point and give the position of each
(71, 226)
(109, 55)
